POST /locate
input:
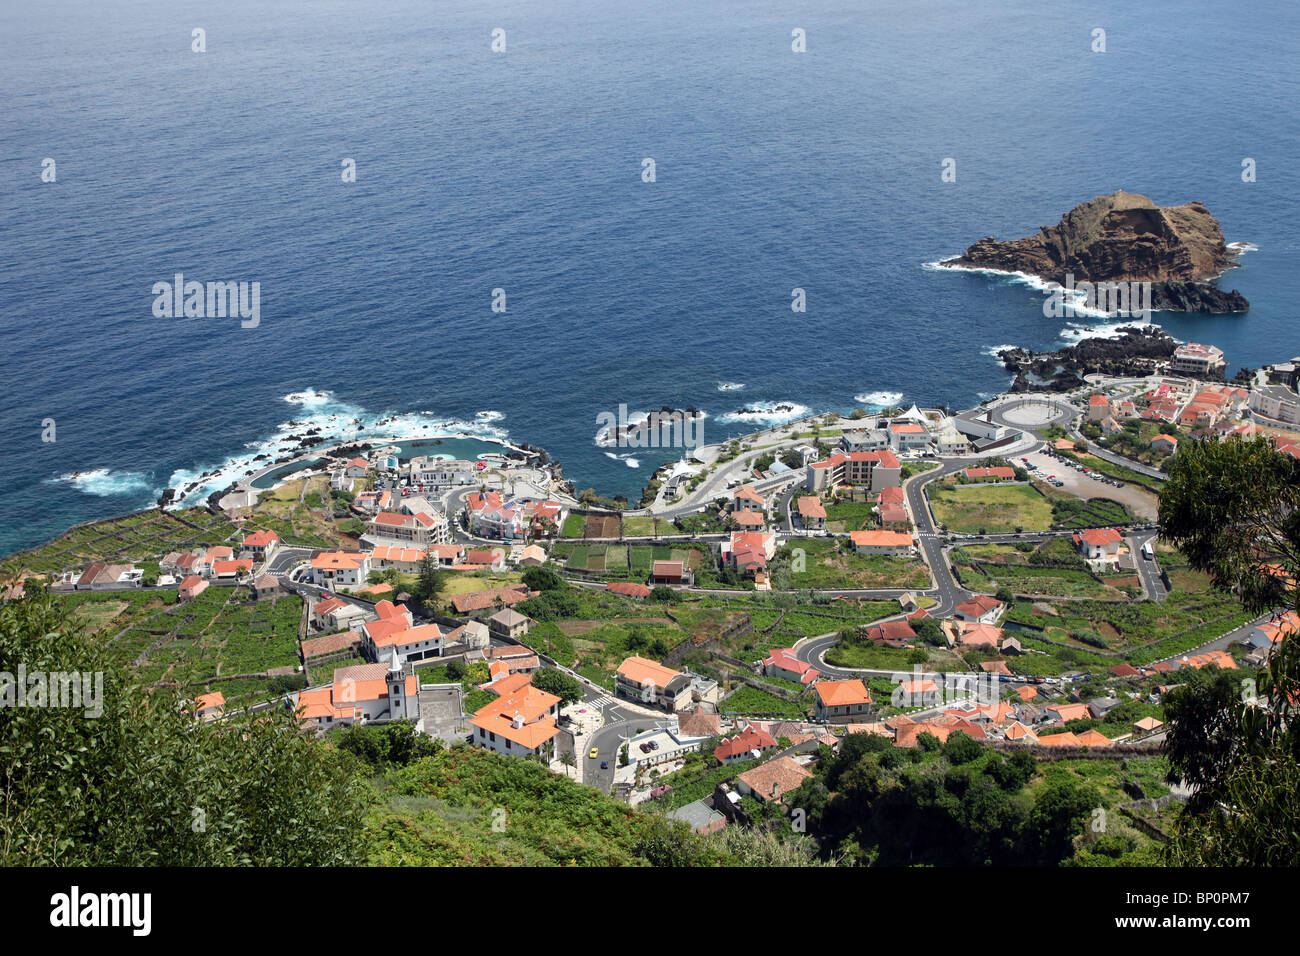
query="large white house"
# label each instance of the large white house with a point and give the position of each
(409, 643)
(876, 470)
(1276, 402)
(521, 722)
(336, 569)
(420, 528)
(441, 472)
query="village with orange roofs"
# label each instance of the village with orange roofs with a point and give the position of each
(910, 575)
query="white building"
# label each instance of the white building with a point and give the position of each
(521, 722)
(441, 472)
(1193, 358)
(1276, 402)
(420, 528)
(336, 569)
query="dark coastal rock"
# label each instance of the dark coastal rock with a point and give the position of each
(1124, 237)
(1196, 297)
(1134, 352)
(349, 452)
(167, 497)
(535, 451)
(214, 499)
(655, 420)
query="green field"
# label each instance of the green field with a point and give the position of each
(850, 515)
(133, 538)
(646, 525)
(828, 566)
(975, 509)
(221, 640)
(872, 656)
(751, 700)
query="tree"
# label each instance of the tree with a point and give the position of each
(544, 579)
(568, 760)
(663, 593)
(930, 631)
(143, 783)
(428, 581)
(1232, 508)
(1005, 595)
(557, 682)
(1061, 812)
(383, 745)
(960, 749)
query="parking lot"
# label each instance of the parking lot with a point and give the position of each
(1139, 502)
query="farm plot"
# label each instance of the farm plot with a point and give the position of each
(993, 509)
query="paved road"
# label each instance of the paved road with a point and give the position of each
(620, 723)
(285, 559)
(930, 542)
(1148, 571)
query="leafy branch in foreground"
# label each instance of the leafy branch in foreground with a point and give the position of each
(144, 783)
(1233, 507)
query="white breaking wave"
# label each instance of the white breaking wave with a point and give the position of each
(1034, 282)
(106, 483)
(730, 386)
(629, 460)
(1106, 330)
(1072, 299)
(993, 350)
(333, 420)
(1243, 247)
(310, 398)
(880, 399)
(766, 413)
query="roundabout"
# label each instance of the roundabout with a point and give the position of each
(1034, 413)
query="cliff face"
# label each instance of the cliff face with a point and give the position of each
(1124, 237)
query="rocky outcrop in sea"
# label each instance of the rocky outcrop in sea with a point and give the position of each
(1135, 351)
(1124, 237)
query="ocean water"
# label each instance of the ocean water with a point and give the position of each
(521, 171)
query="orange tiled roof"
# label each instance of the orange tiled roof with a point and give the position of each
(642, 671)
(810, 506)
(774, 779)
(880, 539)
(842, 693)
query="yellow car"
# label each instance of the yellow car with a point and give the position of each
(595, 752)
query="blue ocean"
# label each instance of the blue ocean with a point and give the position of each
(521, 169)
